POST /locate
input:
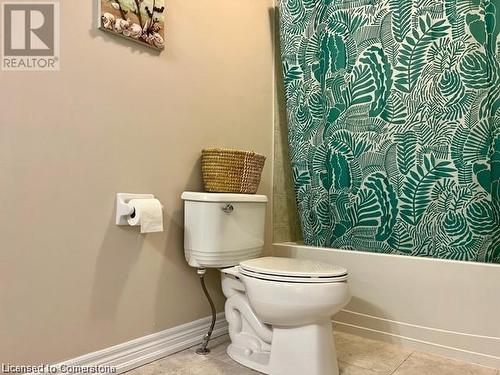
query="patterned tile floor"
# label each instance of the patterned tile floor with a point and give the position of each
(357, 356)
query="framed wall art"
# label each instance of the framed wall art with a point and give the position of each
(142, 21)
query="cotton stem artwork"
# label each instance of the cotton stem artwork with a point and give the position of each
(142, 21)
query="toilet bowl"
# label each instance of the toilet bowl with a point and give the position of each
(278, 310)
(287, 313)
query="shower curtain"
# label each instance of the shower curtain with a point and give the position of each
(393, 110)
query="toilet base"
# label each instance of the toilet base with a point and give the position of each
(258, 361)
(294, 351)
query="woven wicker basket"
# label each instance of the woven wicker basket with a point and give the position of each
(231, 171)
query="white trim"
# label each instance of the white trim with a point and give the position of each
(135, 353)
(496, 339)
(458, 345)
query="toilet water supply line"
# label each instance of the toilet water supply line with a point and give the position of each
(203, 350)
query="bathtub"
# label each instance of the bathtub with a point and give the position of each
(449, 308)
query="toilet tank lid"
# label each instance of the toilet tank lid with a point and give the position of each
(222, 197)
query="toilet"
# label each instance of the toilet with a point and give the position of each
(278, 310)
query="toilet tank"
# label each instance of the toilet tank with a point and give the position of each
(221, 230)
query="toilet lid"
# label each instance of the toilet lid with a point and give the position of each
(292, 270)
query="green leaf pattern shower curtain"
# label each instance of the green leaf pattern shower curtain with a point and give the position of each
(394, 124)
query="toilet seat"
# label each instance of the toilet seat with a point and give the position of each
(293, 270)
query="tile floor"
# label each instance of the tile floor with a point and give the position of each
(357, 356)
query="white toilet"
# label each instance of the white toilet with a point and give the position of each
(278, 309)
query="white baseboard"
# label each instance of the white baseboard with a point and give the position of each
(478, 349)
(143, 350)
(135, 353)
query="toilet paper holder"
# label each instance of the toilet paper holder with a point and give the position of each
(124, 209)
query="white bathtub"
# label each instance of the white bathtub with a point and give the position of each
(446, 307)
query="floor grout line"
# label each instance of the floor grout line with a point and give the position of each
(401, 364)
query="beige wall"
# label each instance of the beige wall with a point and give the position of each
(119, 118)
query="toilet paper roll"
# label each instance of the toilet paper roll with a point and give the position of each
(148, 213)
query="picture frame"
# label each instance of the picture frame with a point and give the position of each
(141, 21)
